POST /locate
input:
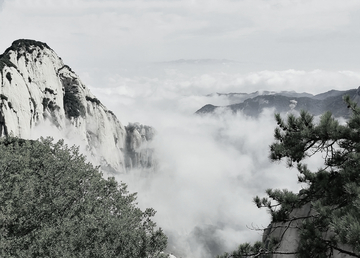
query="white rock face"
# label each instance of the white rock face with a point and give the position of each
(37, 90)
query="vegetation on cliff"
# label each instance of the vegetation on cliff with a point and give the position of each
(54, 204)
(333, 190)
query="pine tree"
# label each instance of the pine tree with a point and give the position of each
(333, 190)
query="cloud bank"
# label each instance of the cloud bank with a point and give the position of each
(209, 167)
(185, 89)
(279, 34)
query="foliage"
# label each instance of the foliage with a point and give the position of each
(65, 67)
(333, 190)
(248, 250)
(51, 91)
(93, 100)
(54, 204)
(72, 104)
(5, 61)
(27, 44)
(47, 103)
(8, 76)
(110, 112)
(3, 97)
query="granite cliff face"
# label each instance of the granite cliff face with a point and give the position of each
(38, 89)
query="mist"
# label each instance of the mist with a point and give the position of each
(209, 167)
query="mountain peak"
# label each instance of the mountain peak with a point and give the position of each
(25, 51)
(27, 45)
(38, 92)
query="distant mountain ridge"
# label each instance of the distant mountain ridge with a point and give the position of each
(37, 89)
(252, 104)
(235, 98)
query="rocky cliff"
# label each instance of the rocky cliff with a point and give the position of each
(38, 89)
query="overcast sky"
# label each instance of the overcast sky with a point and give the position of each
(272, 35)
(209, 167)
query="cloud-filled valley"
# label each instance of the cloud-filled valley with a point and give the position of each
(158, 62)
(208, 172)
(209, 167)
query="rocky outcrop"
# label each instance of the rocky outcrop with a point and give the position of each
(37, 88)
(138, 153)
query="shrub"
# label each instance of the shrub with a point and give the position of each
(47, 103)
(110, 112)
(8, 76)
(93, 100)
(51, 91)
(55, 204)
(73, 106)
(3, 97)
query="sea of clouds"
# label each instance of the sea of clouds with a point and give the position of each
(209, 167)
